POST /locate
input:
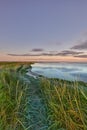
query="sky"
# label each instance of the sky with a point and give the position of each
(43, 30)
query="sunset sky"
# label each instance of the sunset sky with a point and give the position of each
(43, 30)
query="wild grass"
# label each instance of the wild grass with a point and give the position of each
(63, 104)
(12, 99)
(14, 65)
(66, 105)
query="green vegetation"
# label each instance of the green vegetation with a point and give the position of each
(66, 104)
(14, 65)
(40, 104)
(13, 89)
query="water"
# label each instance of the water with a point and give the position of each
(67, 71)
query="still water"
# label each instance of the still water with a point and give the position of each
(67, 71)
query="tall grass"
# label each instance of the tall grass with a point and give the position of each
(65, 102)
(66, 105)
(12, 96)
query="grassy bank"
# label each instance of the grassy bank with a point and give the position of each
(66, 104)
(14, 65)
(40, 104)
(13, 91)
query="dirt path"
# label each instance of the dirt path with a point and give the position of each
(36, 111)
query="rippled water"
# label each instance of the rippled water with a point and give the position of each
(68, 71)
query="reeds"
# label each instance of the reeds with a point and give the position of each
(12, 96)
(66, 105)
(64, 102)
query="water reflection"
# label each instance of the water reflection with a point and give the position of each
(68, 71)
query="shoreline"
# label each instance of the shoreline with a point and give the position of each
(35, 76)
(32, 74)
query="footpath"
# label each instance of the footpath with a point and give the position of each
(36, 109)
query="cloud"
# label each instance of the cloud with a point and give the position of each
(81, 56)
(40, 54)
(50, 53)
(68, 52)
(82, 46)
(37, 50)
(24, 54)
(14, 54)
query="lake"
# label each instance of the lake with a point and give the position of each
(67, 71)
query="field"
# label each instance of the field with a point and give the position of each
(28, 103)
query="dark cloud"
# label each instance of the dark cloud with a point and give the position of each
(68, 52)
(54, 53)
(18, 54)
(24, 54)
(15, 54)
(37, 50)
(82, 46)
(40, 54)
(81, 56)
